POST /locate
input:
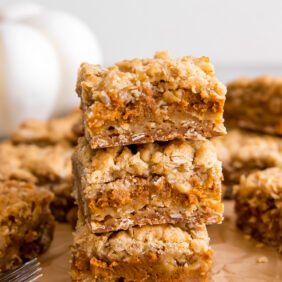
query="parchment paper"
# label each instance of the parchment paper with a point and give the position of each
(236, 255)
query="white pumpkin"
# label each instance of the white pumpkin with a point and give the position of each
(40, 52)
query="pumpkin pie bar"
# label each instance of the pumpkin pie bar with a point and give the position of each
(26, 223)
(141, 101)
(255, 104)
(258, 200)
(243, 152)
(47, 167)
(148, 253)
(154, 183)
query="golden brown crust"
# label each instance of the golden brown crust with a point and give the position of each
(243, 152)
(148, 184)
(149, 253)
(255, 104)
(258, 206)
(26, 222)
(141, 101)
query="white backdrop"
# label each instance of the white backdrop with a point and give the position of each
(241, 37)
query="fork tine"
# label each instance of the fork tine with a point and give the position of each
(36, 277)
(29, 275)
(11, 273)
(24, 271)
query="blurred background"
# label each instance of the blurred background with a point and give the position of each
(239, 34)
(240, 37)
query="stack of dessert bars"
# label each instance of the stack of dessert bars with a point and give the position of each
(146, 179)
(251, 153)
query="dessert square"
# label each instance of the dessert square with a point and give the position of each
(258, 206)
(255, 104)
(154, 183)
(148, 253)
(147, 100)
(50, 132)
(26, 223)
(47, 167)
(243, 152)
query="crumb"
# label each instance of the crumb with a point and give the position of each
(259, 245)
(247, 237)
(262, 259)
(227, 218)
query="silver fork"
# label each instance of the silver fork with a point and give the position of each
(30, 271)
